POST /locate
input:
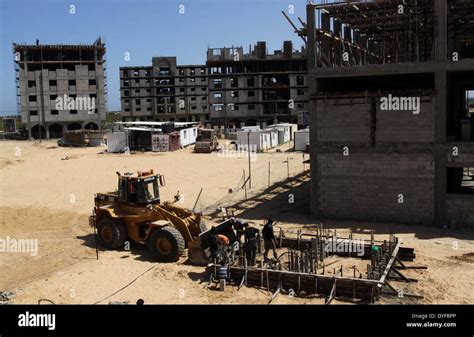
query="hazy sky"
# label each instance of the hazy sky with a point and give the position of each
(144, 28)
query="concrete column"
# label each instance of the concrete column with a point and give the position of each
(440, 30)
(441, 107)
(440, 154)
(440, 53)
(326, 25)
(312, 90)
(440, 199)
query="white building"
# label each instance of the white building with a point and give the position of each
(259, 140)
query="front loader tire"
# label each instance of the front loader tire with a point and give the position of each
(111, 233)
(166, 244)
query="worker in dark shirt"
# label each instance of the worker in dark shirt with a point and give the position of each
(213, 242)
(269, 241)
(251, 243)
(239, 226)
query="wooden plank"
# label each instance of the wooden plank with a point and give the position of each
(275, 294)
(401, 276)
(333, 293)
(404, 266)
(295, 274)
(390, 262)
(309, 283)
(241, 283)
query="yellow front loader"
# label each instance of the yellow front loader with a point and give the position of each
(134, 212)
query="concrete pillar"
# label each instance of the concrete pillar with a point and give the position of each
(440, 30)
(312, 90)
(440, 53)
(325, 44)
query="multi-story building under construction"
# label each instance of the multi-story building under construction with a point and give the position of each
(164, 91)
(391, 86)
(231, 89)
(256, 87)
(72, 76)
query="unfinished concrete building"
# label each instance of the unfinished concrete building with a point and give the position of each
(257, 87)
(72, 75)
(164, 91)
(392, 122)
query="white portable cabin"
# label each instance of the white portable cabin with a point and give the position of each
(188, 136)
(292, 128)
(260, 140)
(250, 128)
(283, 133)
(117, 142)
(301, 139)
(273, 134)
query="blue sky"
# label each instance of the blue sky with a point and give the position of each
(144, 28)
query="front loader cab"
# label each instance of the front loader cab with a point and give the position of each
(142, 189)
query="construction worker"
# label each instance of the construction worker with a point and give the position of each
(217, 245)
(223, 240)
(269, 240)
(213, 243)
(251, 243)
(239, 228)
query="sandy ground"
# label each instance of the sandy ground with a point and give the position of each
(46, 193)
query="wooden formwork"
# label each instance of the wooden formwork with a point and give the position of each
(272, 280)
(385, 264)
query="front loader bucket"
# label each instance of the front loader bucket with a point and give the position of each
(198, 249)
(196, 253)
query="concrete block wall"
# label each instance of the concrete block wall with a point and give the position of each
(406, 127)
(368, 186)
(460, 210)
(81, 75)
(339, 121)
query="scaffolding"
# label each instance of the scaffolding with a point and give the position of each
(354, 33)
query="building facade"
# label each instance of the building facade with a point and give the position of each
(231, 89)
(164, 92)
(60, 87)
(257, 87)
(391, 133)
